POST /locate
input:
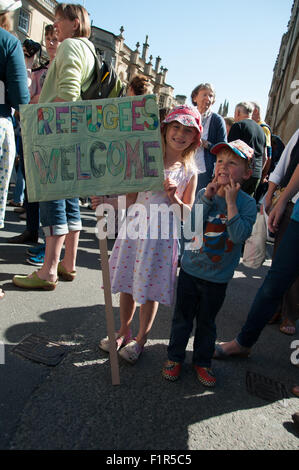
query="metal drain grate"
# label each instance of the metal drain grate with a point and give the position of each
(39, 349)
(264, 387)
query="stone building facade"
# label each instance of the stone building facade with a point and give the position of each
(129, 62)
(30, 21)
(283, 105)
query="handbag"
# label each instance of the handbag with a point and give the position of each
(255, 246)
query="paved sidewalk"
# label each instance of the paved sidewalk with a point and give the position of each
(74, 406)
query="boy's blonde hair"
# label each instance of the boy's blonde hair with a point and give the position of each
(247, 163)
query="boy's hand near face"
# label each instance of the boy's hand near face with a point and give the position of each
(231, 192)
(211, 189)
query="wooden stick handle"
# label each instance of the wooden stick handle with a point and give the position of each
(109, 312)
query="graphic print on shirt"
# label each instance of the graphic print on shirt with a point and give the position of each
(215, 239)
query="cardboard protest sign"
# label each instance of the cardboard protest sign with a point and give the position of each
(98, 147)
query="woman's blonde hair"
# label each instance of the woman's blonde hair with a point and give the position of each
(71, 12)
(5, 21)
(187, 154)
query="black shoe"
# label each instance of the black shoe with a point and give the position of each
(25, 237)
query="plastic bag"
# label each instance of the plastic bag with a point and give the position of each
(255, 246)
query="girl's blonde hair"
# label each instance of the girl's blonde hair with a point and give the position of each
(71, 12)
(187, 154)
(5, 21)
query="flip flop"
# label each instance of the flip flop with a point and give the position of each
(287, 328)
(219, 353)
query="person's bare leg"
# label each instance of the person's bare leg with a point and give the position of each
(48, 272)
(147, 316)
(127, 311)
(70, 253)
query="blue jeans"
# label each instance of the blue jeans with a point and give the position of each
(32, 208)
(200, 300)
(18, 194)
(60, 217)
(281, 275)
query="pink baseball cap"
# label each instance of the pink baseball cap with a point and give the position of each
(186, 115)
(237, 146)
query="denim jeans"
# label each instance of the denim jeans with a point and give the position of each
(32, 208)
(18, 194)
(60, 217)
(197, 300)
(281, 275)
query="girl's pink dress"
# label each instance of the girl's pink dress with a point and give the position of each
(146, 267)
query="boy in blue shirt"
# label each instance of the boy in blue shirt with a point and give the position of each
(228, 217)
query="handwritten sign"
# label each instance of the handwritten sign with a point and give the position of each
(98, 147)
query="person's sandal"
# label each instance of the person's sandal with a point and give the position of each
(120, 341)
(33, 282)
(64, 274)
(131, 351)
(287, 327)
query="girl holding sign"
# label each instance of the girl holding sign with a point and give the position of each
(143, 270)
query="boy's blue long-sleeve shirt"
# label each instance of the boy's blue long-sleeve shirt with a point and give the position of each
(218, 256)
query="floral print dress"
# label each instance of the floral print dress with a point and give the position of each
(145, 266)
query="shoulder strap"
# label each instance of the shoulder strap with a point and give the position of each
(86, 44)
(266, 125)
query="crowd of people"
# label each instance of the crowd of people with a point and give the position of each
(230, 166)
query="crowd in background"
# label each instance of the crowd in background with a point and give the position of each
(273, 172)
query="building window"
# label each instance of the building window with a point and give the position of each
(24, 20)
(161, 101)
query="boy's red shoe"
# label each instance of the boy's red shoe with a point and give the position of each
(171, 370)
(205, 376)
